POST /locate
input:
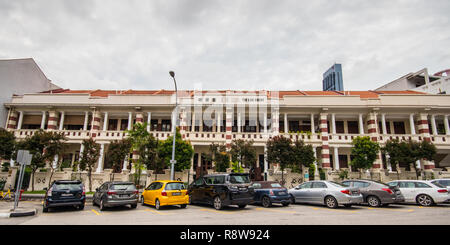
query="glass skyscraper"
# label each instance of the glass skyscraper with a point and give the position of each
(332, 79)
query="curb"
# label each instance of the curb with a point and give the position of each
(18, 214)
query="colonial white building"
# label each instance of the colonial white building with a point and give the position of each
(328, 120)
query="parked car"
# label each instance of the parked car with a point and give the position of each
(329, 193)
(269, 192)
(221, 190)
(64, 193)
(422, 192)
(164, 193)
(112, 194)
(376, 193)
(443, 182)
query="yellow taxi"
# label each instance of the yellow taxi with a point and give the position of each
(165, 193)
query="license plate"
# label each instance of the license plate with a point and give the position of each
(176, 194)
(281, 193)
(66, 195)
(124, 195)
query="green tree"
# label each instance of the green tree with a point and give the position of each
(90, 156)
(280, 150)
(183, 152)
(118, 150)
(243, 152)
(7, 144)
(219, 155)
(55, 147)
(138, 136)
(364, 153)
(303, 153)
(150, 155)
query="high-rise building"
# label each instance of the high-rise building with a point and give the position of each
(332, 79)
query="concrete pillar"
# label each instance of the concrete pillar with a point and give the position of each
(105, 122)
(433, 125)
(313, 126)
(286, 123)
(333, 123)
(447, 127)
(239, 122)
(388, 161)
(325, 147)
(100, 159)
(81, 150)
(361, 124)
(411, 124)
(12, 120)
(44, 115)
(52, 120)
(383, 123)
(125, 163)
(336, 158)
(86, 116)
(275, 121)
(228, 131)
(373, 132)
(424, 131)
(55, 162)
(61, 121)
(149, 121)
(266, 164)
(130, 120)
(316, 168)
(219, 121)
(19, 124)
(265, 122)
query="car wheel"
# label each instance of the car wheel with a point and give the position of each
(242, 206)
(142, 201)
(331, 202)
(101, 206)
(266, 202)
(133, 206)
(183, 205)
(285, 204)
(373, 201)
(292, 199)
(348, 205)
(81, 207)
(218, 203)
(424, 200)
(45, 210)
(157, 204)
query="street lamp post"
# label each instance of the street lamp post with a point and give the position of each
(173, 161)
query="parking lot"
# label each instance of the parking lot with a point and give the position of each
(296, 214)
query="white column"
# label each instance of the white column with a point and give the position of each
(388, 161)
(100, 159)
(55, 161)
(193, 122)
(265, 122)
(81, 150)
(411, 123)
(312, 123)
(61, 121)
(130, 118)
(447, 128)
(149, 120)
(333, 122)
(19, 123)
(105, 122)
(44, 115)
(433, 125)
(361, 124)
(219, 120)
(316, 168)
(383, 123)
(239, 122)
(86, 116)
(125, 163)
(266, 163)
(286, 124)
(336, 158)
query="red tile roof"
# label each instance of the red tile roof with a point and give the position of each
(281, 94)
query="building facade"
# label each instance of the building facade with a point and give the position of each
(333, 79)
(19, 76)
(327, 120)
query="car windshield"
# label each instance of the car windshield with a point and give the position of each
(67, 186)
(175, 186)
(239, 179)
(337, 184)
(123, 187)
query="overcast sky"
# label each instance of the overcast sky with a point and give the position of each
(277, 45)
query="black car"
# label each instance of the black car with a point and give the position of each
(269, 192)
(112, 194)
(65, 193)
(221, 190)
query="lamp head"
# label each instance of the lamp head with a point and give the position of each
(172, 74)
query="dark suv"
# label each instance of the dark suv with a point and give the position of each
(221, 190)
(65, 193)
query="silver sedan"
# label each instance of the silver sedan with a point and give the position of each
(422, 192)
(328, 193)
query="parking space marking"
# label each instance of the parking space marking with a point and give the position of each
(391, 209)
(157, 212)
(95, 212)
(223, 212)
(274, 210)
(335, 210)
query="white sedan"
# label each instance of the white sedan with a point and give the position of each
(422, 192)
